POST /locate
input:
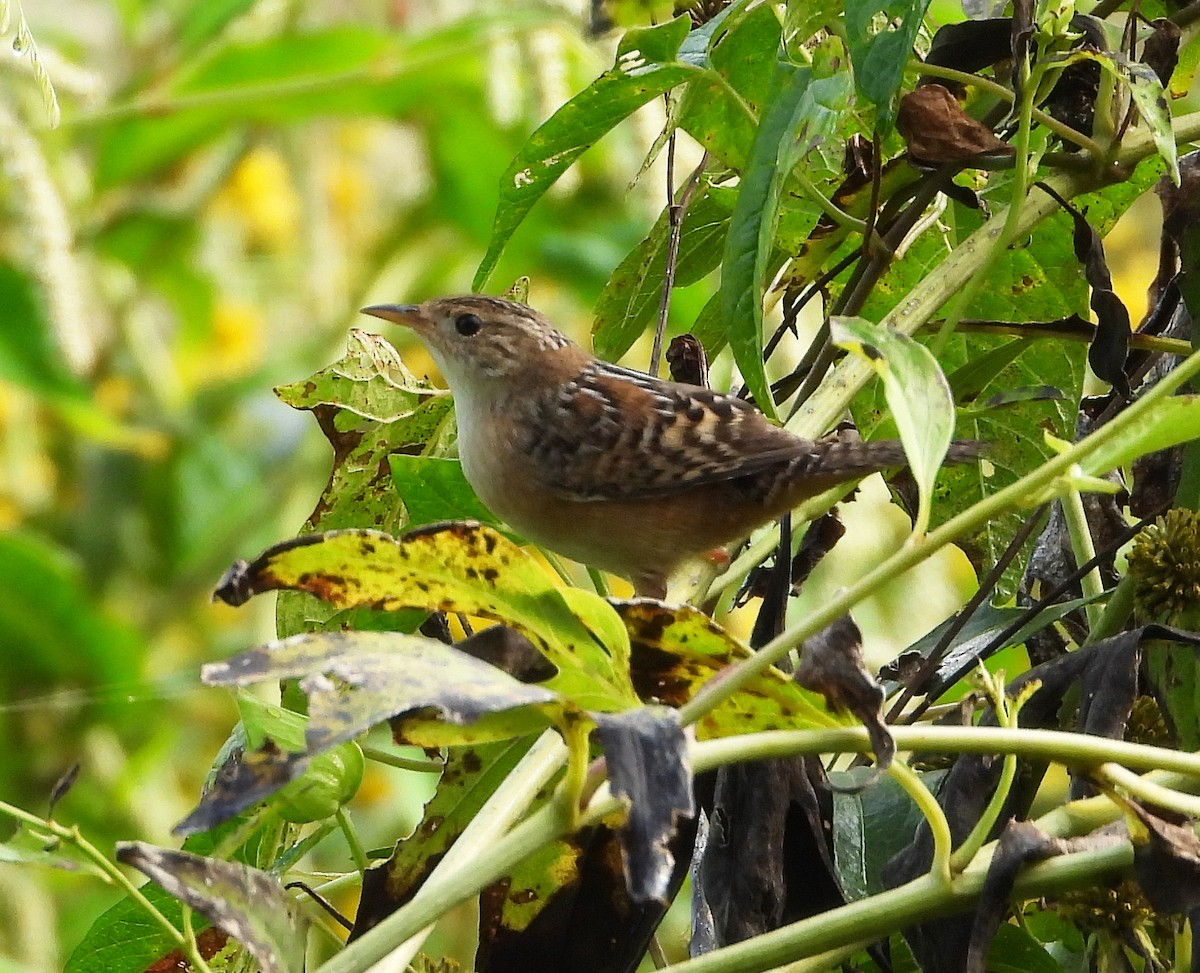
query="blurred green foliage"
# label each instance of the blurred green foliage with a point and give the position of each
(228, 183)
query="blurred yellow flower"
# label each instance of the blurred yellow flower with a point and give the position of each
(237, 338)
(261, 191)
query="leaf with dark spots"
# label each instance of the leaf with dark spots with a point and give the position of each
(243, 779)
(831, 664)
(1166, 859)
(676, 650)
(248, 905)
(459, 567)
(370, 407)
(936, 129)
(471, 776)
(355, 680)
(646, 754)
(567, 908)
(209, 942)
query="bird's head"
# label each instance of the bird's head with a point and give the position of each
(474, 338)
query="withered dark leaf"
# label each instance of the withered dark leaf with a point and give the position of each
(972, 45)
(1020, 843)
(507, 649)
(831, 664)
(648, 765)
(1161, 50)
(937, 130)
(241, 781)
(63, 785)
(688, 361)
(1109, 349)
(1167, 861)
(247, 904)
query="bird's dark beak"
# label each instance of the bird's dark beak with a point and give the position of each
(406, 314)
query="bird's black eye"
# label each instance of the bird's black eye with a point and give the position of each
(468, 324)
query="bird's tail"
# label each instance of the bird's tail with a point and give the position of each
(841, 459)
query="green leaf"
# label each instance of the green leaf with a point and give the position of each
(28, 354)
(471, 776)
(630, 298)
(126, 939)
(203, 21)
(52, 622)
(871, 824)
(1013, 950)
(751, 228)
(720, 114)
(880, 58)
(645, 68)
(463, 568)
(1147, 93)
(917, 395)
(371, 409)
(434, 488)
(1176, 420)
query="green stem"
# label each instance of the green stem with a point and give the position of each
(407, 59)
(1084, 547)
(357, 852)
(1014, 496)
(1072, 749)
(1006, 716)
(1118, 609)
(828, 207)
(1149, 791)
(880, 915)
(112, 873)
(1012, 220)
(382, 756)
(935, 817)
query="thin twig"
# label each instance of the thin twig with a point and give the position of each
(676, 211)
(929, 666)
(1040, 605)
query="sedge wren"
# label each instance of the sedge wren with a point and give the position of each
(612, 467)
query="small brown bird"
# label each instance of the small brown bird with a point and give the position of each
(609, 466)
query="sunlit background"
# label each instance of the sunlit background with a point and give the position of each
(229, 182)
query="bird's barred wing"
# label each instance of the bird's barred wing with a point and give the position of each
(611, 433)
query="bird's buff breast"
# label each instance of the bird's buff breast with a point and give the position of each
(627, 537)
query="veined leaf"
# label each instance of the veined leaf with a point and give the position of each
(917, 395)
(646, 67)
